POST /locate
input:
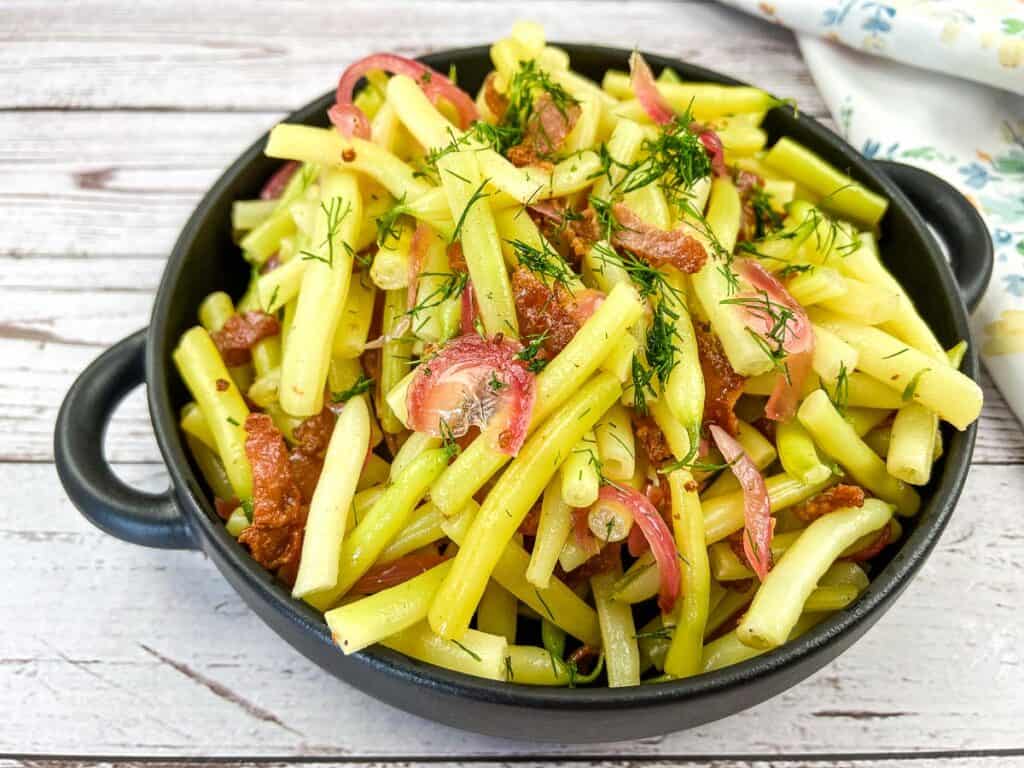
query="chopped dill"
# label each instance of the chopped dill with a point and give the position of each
(334, 215)
(840, 396)
(544, 603)
(911, 388)
(896, 354)
(545, 262)
(473, 654)
(661, 633)
(387, 222)
(530, 353)
(451, 448)
(477, 196)
(247, 509)
(361, 386)
(231, 420)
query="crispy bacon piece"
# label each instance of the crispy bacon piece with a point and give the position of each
(551, 310)
(544, 132)
(722, 385)
(278, 515)
(656, 246)
(307, 459)
(573, 232)
(529, 525)
(881, 541)
(241, 332)
(495, 99)
(224, 507)
(829, 500)
(387, 575)
(609, 557)
(652, 439)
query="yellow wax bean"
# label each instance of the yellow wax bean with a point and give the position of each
(463, 184)
(370, 619)
(556, 602)
(640, 582)
(307, 351)
(837, 438)
(332, 498)
(354, 324)
(394, 359)
(381, 525)
(839, 192)
(224, 410)
(193, 423)
(866, 303)
(781, 597)
(424, 528)
(477, 653)
(684, 655)
(798, 454)
(728, 650)
(615, 444)
(210, 467)
(912, 444)
(817, 284)
(618, 633)
(511, 498)
(552, 531)
(580, 481)
(940, 388)
(496, 614)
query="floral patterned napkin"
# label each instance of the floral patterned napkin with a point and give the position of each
(884, 70)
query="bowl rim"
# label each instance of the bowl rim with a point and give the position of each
(237, 566)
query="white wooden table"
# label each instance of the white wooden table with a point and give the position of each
(114, 118)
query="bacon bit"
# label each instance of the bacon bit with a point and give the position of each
(456, 259)
(581, 529)
(722, 385)
(275, 184)
(240, 333)
(573, 232)
(645, 88)
(222, 385)
(225, 507)
(766, 427)
(652, 439)
(758, 523)
(544, 133)
(585, 657)
(798, 336)
(656, 246)
(658, 536)
(348, 155)
(493, 98)
(829, 500)
(387, 575)
(880, 542)
(529, 525)
(350, 120)
(474, 381)
(609, 557)
(550, 310)
(279, 516)
(307, 459)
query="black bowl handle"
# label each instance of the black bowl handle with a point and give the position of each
(956, 222)
(150, 519)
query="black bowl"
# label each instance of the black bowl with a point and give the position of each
(205, 259)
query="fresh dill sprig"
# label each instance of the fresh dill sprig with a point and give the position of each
(544, 603)
(451, 287)
(387, 222)
(530, 353)
(779, 317)
(544, 262)
(361, 386)
(335, 215)
(476, 197)
(840, 396)
(448, 444)
(661, 633)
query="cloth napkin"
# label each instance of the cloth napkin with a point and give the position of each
(937, 84)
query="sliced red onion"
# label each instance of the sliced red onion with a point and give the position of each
(646, 91)
(758, 523)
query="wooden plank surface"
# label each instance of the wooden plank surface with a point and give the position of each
(115, 119)
(122, 650)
